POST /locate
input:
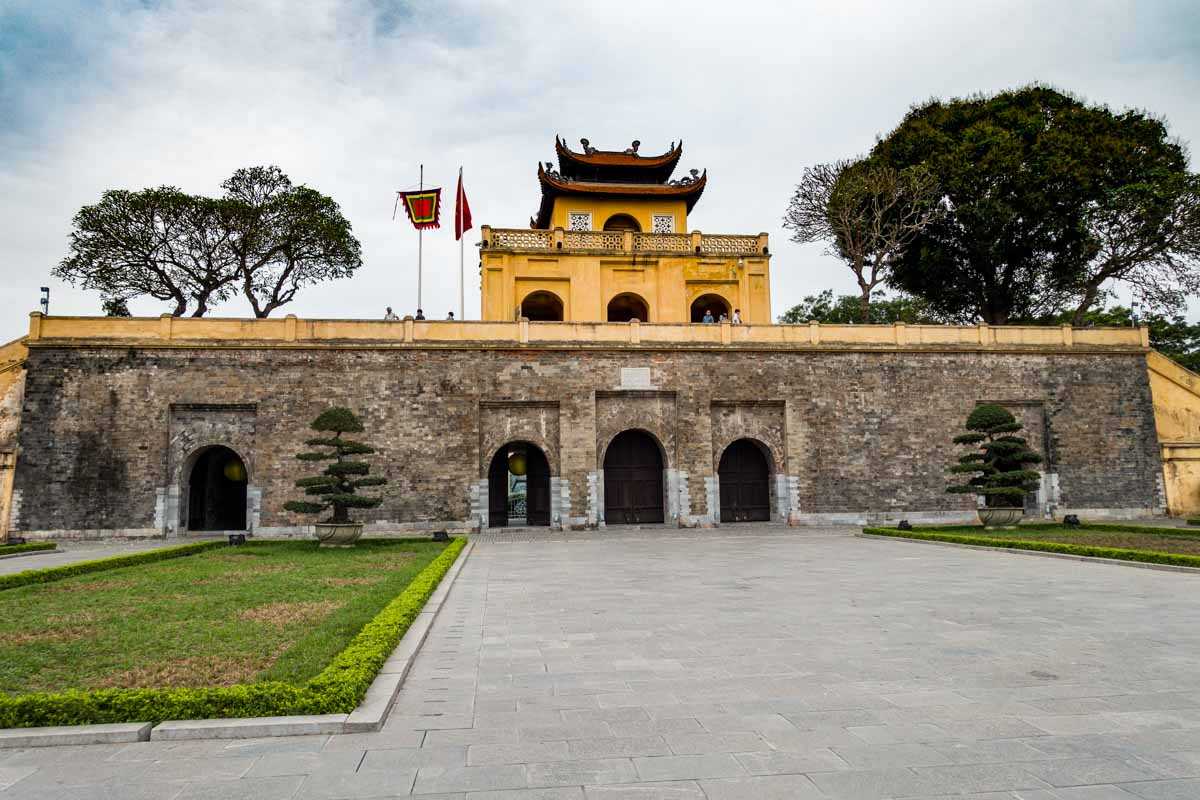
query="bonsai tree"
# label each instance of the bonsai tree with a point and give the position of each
(337, 486)
(998, 468)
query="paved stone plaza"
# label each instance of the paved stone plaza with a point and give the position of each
(775, 663)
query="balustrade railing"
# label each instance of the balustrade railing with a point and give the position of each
(526, 239)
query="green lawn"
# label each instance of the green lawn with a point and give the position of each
(265, 611)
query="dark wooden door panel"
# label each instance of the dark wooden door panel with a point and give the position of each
(633, 480)
(744, 480)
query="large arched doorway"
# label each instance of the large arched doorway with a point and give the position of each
(745, 483)
(633, 479)
(217, 491)
(621, 222)
(519, 486)
(542, 307)
(627, 306)
(713, 303)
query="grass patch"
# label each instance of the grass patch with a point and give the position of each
(305, 651)
(1143, 543)
(265, 609)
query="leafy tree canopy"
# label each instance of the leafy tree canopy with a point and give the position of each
(265, 237)
(847, 309)
(1046, 199)
(869, 214)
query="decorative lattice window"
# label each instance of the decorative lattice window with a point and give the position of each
(579, 221)
(662, 223)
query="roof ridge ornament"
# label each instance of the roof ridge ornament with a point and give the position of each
(587, 147)
(632, 150)
(692, 176)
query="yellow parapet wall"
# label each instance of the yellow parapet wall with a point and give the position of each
(1177, 417)
(12, 384)
(290, 331)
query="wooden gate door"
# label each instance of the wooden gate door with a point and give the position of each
(537, 487)
(745, 488)
(633, 480)
(498, 490)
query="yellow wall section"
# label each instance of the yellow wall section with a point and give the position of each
(586, 282)
(601, 208)
(1177, 417)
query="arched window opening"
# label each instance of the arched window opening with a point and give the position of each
(627, 306)
(713, 304)
(217, 491)
(622, 222)
(633, 479)
(542, 307)
(518, 486)
(744, 476)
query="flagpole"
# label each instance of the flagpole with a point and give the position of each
(420, 245)
(462, 236)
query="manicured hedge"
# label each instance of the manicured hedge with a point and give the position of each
(9, 549)
(1193, 521)
(337, 689)
(103, 564)
(1121, 554)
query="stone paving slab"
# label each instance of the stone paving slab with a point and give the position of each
(768, 663)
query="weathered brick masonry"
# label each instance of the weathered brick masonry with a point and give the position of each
(107, 433)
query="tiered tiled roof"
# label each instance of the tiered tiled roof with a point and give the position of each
(611, 173)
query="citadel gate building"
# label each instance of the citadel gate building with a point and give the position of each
(590, 394)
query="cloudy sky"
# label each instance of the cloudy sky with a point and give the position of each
(349, 96)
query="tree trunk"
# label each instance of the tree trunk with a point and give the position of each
(864, 306)
(1089, 299)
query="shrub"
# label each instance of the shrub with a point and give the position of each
(336, 487)
(337, 689)
(7, 549)
(1120, 554)
(1000, 477)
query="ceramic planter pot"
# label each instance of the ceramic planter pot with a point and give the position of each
(332, 534)
(1001, 517)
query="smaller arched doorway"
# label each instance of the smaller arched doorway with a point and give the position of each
(217, 491)
(713, 303)
(633, 479)
(627, 306)
(621, 222)
(518, 486)
(542, 307)
(744, 476)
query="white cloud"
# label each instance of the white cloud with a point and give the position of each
(350, 97)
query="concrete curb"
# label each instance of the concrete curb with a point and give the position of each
(76, 734)
(369, 716)
(1068, 556)
(375, 706)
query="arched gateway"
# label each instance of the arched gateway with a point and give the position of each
(745, 483)
(217, 491)
(633, 479)
(518, 486)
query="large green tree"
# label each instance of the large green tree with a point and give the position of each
(868, 213)
(1047, 199)
(265, 237)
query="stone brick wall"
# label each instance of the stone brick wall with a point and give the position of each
(106, 433)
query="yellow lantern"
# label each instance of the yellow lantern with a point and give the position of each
(516, 463)
(235, 470)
